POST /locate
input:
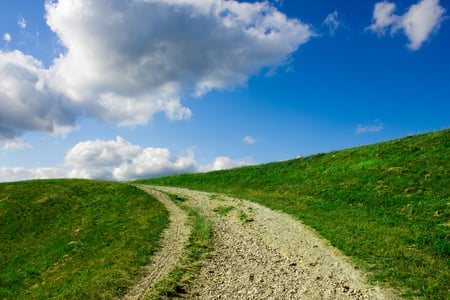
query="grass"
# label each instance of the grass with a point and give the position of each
(244, 217)
(176, 282)
(75, 239)
(386, 205)
(223, 210)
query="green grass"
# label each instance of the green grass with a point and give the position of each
(244, 217)
(223, 210)
(198, 248)
(386, 205)
(75, 239)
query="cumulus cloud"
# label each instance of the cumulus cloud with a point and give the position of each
(376, 127)
(418, 23)
(26, 105)
(120, 160)
(7, 37)
(332, 22)
(223, 163)
(126, 60)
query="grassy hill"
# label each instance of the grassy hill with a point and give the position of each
(74, 239)
(387, 205)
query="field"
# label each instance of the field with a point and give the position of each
(387, 206)
(75, 239)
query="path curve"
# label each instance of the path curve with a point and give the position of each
(264, 254)
(174, 241)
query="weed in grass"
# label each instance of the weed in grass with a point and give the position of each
(223, 210)
(244, 217)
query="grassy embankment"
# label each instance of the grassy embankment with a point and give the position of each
(75, 239)
(387, 205)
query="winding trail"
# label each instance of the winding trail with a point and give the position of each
(175, 238)
(264, 254)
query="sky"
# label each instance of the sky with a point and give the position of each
(128, 89)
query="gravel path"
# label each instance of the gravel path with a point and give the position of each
(175, 238)
(264, 254)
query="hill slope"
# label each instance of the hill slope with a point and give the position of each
(385, 205)
(75, 239)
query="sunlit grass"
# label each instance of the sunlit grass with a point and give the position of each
(75, 239)
(385, 205)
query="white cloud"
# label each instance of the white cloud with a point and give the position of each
(383, 17)
(16, 174)
(376, 127)
(421, 20)
(120, 160)
(22, 23)
(249, 140)
(127, 60)
(163, 51)
(418, 23)
(16, 144)
(223, 163)
(332, 22)
(26, 105)
(7, 37)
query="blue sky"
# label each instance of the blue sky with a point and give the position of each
(130, 89)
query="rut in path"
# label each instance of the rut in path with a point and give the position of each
(263, 254)
(175, 238)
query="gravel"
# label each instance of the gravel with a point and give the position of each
(264, 254)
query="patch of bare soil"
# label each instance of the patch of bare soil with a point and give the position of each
(264, 254)
(175, 238)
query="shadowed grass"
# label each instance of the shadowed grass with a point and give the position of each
(385, 205)
(75, 239)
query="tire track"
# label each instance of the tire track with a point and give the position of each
(175, 238)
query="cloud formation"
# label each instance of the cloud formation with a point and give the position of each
(332, 22)
(27, 105)
(161, 51)
(7, 37)
(126, 60)
(16, 174)
(418, 23)
(16, 144)
(223, 163)
(120, 160)
(376, 127)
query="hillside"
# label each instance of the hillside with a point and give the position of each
(75, 239)
(384, 205)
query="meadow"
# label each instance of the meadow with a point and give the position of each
(386, 206)
(75, 239)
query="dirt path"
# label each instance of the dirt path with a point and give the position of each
(264, 254)
(174, 241)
